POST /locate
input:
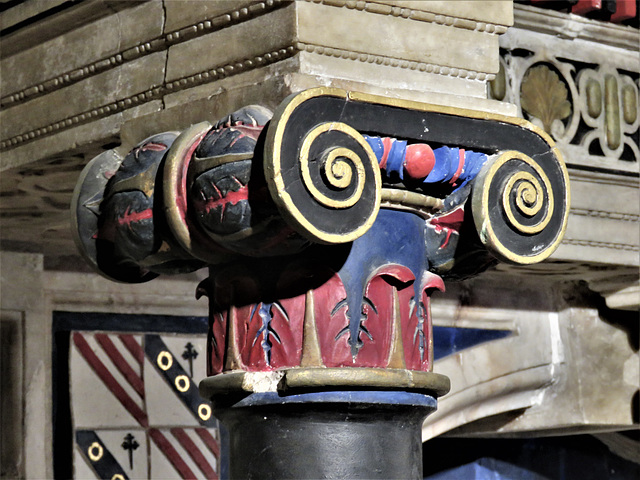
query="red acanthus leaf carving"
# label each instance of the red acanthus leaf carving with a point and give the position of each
(376, 325)
(335, 352)
(270, 334)
(416, 323)
(217, 343)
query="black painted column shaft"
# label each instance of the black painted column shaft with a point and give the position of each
(333, 435)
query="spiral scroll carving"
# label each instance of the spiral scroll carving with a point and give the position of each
(528, 195)
(324, 177)
(520, 206)
(340, 170)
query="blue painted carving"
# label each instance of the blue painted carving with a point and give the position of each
(395, 238)
(451, 165)
(265, 312)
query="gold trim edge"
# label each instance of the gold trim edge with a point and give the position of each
(320, 377)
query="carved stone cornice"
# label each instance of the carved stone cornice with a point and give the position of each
(573, 27)
(157, 92)
(143, 48)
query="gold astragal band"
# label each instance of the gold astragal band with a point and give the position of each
(411, 199)
(346, 377)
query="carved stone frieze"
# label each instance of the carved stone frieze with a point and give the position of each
(584, 94)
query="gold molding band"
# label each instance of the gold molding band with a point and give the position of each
(411, 199)
(201, 165)
(175, 171)
(176, 168)
(346, 377)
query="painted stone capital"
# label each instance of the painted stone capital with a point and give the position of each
(326, 226)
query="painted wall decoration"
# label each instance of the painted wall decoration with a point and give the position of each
(151, 423)
(327, 225)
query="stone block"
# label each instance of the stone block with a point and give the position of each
(71, 54)
(602, 228)
(385, 35)
(243, 41)
(83, 97)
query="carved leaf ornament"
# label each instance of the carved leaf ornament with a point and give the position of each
(544, 96)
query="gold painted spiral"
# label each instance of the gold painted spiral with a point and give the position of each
(530, 197)
(340, 166)
(519, 214)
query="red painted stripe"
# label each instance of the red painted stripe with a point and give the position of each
(156, 147)
(134, 217)
(232, 197)
(121, 364)
(386, 144)
(209, 441)
(112, 384)
(133, 346)
(171, 453)
(460, 166)
(195, 453)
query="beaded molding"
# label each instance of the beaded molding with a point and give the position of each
(626, 217)
(592, 243)
(394, 62)
(150, 94)
(144, 48)
(418, 15)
